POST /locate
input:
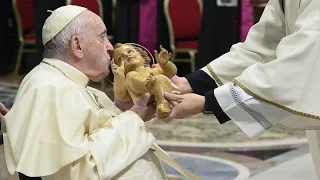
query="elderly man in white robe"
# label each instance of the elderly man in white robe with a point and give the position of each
(272, 78)
(60, 128)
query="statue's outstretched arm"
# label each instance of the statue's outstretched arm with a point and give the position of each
(119, 87)
(166, 66)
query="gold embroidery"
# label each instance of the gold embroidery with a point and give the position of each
(215, 77)
(275, 104)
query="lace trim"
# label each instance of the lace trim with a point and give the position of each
(215, 77)
(254, 113)
(299, 113)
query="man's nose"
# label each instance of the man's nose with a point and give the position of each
(109, 47)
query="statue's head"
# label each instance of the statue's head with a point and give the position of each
(132, 55)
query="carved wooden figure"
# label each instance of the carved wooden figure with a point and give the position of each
(133, 75)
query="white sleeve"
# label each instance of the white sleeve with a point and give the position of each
(4, 173)
(251, 115)
(116, 146)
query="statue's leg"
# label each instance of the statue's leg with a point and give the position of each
(134, 96)
(314, 144)
(136, 82)
(157, 85)
(135, 85)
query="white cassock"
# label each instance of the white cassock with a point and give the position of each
(273, 77)
(59, 128)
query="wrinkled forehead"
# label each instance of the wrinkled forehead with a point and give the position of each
(94, 20)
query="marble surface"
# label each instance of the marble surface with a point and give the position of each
(298, 168)
(206, 129)
(253, 164)
(207, 168)
(4, 174)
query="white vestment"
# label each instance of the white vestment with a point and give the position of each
(272, 78)
(275, 69)
(59, 128)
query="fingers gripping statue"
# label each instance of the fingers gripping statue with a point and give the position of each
(134, 77)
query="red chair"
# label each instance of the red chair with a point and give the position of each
(24, 15)
(93, 5)
(184, 23)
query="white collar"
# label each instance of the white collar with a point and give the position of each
(71, 72)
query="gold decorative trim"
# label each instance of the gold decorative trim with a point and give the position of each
(68, 2)
(275, 104)
(18, 20)
(201, 6)
(101, 9)
(215, 77)
(22, 41)
(168, 18)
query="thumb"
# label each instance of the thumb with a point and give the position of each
(175, 79)
(171, 116)
(143, 100)
(3, 109)
(155, 65)
(173, 97)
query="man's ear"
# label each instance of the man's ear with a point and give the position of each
(76, 46)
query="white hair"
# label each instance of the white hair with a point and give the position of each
(58, 46)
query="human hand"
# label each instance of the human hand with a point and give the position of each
(123, 105)
(163, 57)
(150, 84)
(117, 70)
(141, 107)
(184, 105)
(181, 82)
(3, 111)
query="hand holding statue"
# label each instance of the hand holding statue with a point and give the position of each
(3, 111)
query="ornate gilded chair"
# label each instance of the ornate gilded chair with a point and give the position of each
(184, 23)
(24, 15)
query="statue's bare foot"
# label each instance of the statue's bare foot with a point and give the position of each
(163, 109)
(150, 84)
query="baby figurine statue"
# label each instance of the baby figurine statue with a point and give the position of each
(133, 75)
